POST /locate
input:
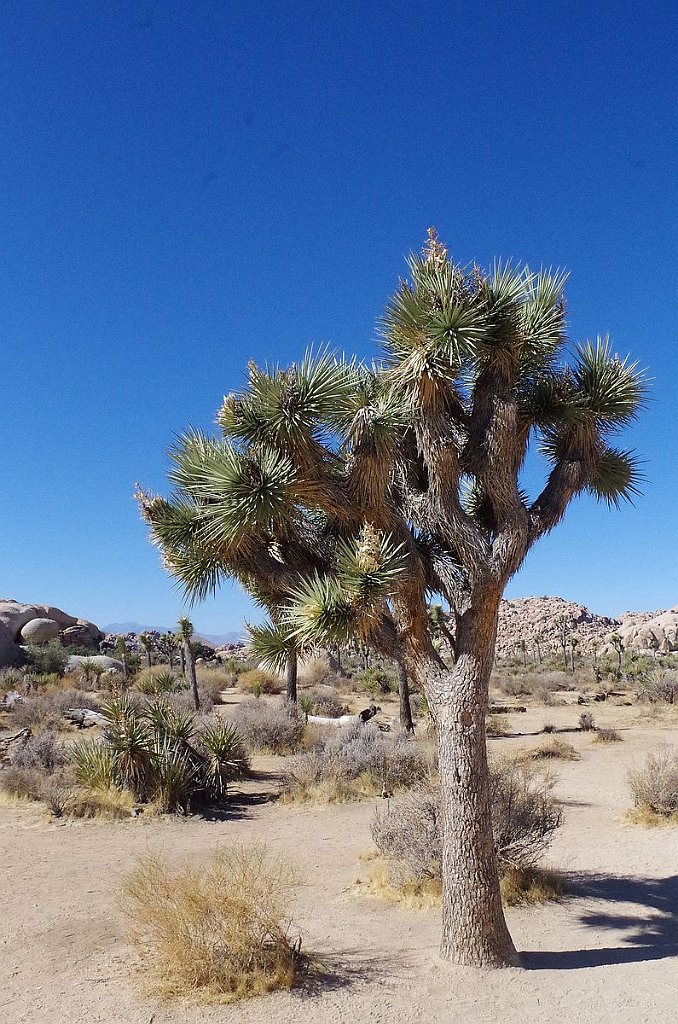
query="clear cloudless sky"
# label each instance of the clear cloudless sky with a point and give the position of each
(187, 185)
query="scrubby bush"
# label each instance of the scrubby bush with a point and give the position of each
(555, 749)
(217, 930)
(549, 727)
(525, 816)
(257, 681)
(212, 681)
(324, 700)
(42, 751)
(46, 710)
(660, 685)
(607, 736)
(43, 659)
(268, 727)
(587, 722)
(354, 761)
(496, 725)
(654, 785)
(24, 783)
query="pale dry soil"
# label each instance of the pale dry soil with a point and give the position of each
(607, 953)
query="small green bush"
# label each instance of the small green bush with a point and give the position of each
(44, 659)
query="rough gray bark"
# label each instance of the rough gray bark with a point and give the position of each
(291, 679)
(190, 673)
(406, 722)
(474, 928)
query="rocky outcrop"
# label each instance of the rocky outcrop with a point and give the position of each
(35, 623)
(101, 660)
(542, 623)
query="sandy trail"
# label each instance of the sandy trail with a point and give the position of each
(608, 953)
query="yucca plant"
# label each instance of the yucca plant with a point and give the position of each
(344, 497)
(226, 757)
(177, 776)
(93, 764)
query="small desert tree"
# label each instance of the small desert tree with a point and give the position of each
(185, 635)
(354, 494)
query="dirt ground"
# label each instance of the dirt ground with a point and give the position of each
(607, 953)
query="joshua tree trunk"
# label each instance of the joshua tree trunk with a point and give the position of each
(291, 677)
(182, 661)
(190, 672)
(474, 928)
(406, 722)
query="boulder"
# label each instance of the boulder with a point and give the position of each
(14, 616)
(39, 631)
(84, 634)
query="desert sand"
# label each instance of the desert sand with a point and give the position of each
(607, 953)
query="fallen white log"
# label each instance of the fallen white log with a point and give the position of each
(85, 718)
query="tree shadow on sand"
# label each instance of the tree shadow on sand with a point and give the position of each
(347, 968)
(651, 933)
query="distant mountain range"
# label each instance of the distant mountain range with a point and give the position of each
(137, 627)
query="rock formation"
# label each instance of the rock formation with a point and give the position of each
(38, 623)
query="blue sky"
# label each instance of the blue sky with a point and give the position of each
(189, 185)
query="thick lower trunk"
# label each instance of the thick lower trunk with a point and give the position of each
(291, 678)
(474, 927)
(406, 722)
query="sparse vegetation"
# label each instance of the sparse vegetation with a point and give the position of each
(258, 682)
(496, 725)
(219, 929)
(525, 816)
(555, 750)
(607, 736)
(587, 722)
(268, 727)
(356, 761)
(654, 787)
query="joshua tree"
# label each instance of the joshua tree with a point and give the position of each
(574, 644)
(563, 631)
(186, 635)
(618, 645)
(168, 644)
(354, 493)
(147, 643)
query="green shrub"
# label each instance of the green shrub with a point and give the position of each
(44, 659)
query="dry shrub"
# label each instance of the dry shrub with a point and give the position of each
(42, 752)
(496, 725)
(269, 727)
(216, 930)
(520, 886)
(557, 750)
(46, 710)
(587, 722)
(525, 816)
(22, 783)
(212, 681)
(607, 736)
(110, 803)
(325, 700)
(654, 785)
(258, 681)
(354, 761)
(549, 727)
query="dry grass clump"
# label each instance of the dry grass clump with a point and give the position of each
(555, 749)
(257, 681)
(587, 722)
(269, 727)
(607, 736)
(496, 725)
(525, 816)
(520, 886)
(217, 931)
(355, 761)
(654, 787)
